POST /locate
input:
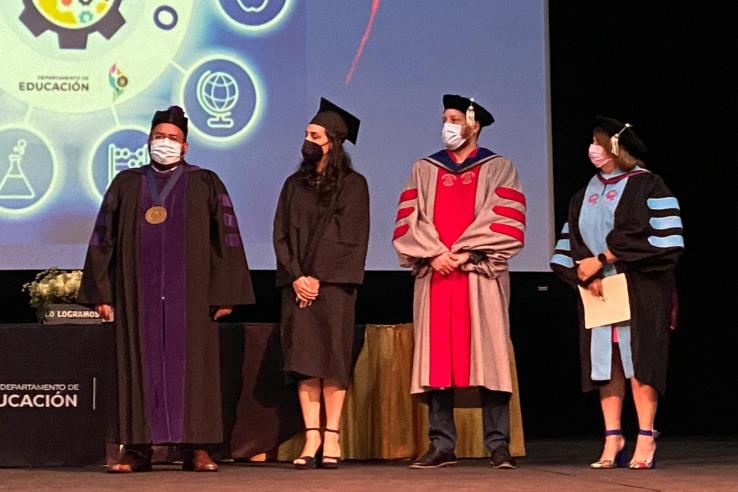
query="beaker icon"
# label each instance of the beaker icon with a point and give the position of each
(15, 184)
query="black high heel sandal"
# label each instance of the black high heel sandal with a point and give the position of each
(331, 465)
(309, 462)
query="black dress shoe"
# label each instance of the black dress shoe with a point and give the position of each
(434, 458)
(501, 458)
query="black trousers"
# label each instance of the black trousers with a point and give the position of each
(495, 419)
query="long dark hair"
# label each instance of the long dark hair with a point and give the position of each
(338, 165)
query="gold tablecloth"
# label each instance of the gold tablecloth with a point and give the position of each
(381, 420)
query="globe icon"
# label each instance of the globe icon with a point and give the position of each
(217, 93)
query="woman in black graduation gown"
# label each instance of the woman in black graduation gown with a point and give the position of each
(321, 231)
(624, 221)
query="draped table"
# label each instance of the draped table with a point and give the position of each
(57, 394)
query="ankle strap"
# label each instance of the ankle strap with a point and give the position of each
(308, 429)
(335, 431)
(614, 432)
(646, 432)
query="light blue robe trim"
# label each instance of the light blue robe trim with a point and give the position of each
(600, 348)
(662, 223)
(674, 241)
(563, 244)
(601, 352)
(597, 216)
(596, 220)
(565, 229)
(626, 357)
(663, 203)
(562, 260)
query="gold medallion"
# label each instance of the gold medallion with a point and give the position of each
(156, 215)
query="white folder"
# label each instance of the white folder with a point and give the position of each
(613, 307)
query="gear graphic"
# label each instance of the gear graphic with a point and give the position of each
(75, 39)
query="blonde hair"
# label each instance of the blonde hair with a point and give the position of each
(626, 161)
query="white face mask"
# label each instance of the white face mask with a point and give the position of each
(451, 135)
(165, 152)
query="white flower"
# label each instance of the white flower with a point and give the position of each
(57, 288)
(53, 285)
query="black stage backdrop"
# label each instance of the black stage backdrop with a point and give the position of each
(666, 69)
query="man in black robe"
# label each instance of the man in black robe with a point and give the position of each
(165, 260)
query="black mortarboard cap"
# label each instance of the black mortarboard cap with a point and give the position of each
(454, 101)
(608, 125)
(627, 139)
(174, 115)
(337, 120)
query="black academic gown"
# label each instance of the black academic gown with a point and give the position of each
(317, 341)
(649, 270)
(164, 281)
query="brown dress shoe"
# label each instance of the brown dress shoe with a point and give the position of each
(131, 462)
(200, 461)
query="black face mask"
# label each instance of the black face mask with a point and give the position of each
(311, 151)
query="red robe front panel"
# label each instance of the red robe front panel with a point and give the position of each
(450, 314)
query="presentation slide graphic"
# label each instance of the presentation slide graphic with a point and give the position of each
(82, 56)
(28, 170)
(81, 80)
(221, 98)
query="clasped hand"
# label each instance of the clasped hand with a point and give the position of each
(306, 290)
(448, 262)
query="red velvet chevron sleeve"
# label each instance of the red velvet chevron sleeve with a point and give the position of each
(415, 237)
(498, 230)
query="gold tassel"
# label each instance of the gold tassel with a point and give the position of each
(615, 141)
(614, 145)
(470, 115)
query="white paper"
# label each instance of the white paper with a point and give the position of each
(614, 307)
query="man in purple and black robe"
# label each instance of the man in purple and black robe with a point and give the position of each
(165, 260)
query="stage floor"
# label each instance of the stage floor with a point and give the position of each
(551, 465)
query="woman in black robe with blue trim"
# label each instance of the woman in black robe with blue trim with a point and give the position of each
(624, 221)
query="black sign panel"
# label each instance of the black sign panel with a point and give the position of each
(55, 394)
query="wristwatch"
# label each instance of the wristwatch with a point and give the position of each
(602, 258)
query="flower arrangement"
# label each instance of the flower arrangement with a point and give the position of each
(53, 286)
